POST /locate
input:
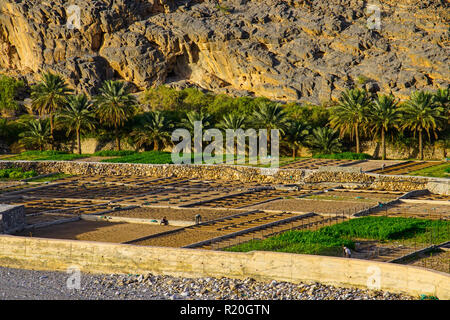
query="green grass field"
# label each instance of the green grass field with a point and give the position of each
(329, 240)
(47, 155)
(440, 171)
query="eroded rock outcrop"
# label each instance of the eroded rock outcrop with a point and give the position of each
(286, 50)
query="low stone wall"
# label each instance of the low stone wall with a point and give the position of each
(96, 257)
(238, 173)
(12, 218)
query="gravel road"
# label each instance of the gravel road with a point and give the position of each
(44, 285)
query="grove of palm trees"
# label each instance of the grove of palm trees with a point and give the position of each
(60, 119)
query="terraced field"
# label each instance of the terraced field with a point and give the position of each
(407, 167)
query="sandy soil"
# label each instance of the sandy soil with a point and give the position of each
(180, 239)
(317, 206)
(375, 164)
(418, 210)
(98, 231)
(358, 196)
(187, 214)
(439, 261)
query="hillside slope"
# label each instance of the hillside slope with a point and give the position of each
(299, 50)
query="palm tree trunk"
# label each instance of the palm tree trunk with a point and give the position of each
(293, 153)
(51, 132)
(78, 141)
(420, 145)
(117, 139)
(357, 137)
(383, 144)
(155, 145)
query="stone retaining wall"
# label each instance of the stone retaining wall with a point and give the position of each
(97, 257)
(238, 173)
(12, 218)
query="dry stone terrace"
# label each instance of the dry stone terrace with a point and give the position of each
(124, 203)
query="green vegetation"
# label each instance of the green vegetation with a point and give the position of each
(16, 174)
(344, 155)
(440, 171)
(305, 242)
(422, 114)
(146, 124)
(324, 140)
(382, 228)
(351, 113)
(223, 9)
(113, 153)
(330, 239)
(115, 106)
(9, 89)
(47, 155)
(49, 96)
(153, 157)
(52, 177)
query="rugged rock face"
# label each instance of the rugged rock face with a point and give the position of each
(299, 50)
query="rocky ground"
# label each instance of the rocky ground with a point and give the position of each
(286, 50)
(28, 284)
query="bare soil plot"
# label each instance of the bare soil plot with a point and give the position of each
(315, 163)
(355, 196)
(370, 165)
(301, 205)
(36, 205)
(438, 260)
(407, 167)
(180, 239)
(215, 229)
(98, 231)
(173, 197)
(31, 220)
(415, 210)
(432, 196)
(92, 191)
(185, 214)
(252, 197)
(382, 251)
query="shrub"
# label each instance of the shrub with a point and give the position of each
(16, 174)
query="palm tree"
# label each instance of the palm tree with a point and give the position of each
(36, 134)
(49, 96)
(115, 105)
(194, 116)
(189, 124)
(421, 113)
(270, 116)
(350, 113)
(154, 129)
(383, 116)
(77, 116)
(442, 98)
(232, 121)
(324, 140)
(296, 136)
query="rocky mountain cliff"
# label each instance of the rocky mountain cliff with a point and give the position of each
(303, 50)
